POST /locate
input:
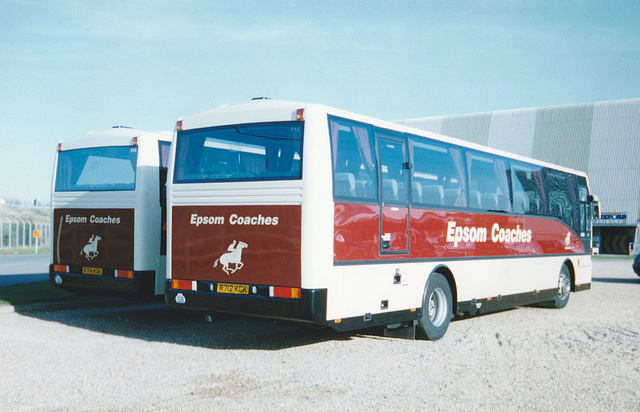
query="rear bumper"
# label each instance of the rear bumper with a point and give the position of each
(143, 281)
(310, 307)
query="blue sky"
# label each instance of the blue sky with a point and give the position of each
(68, 67)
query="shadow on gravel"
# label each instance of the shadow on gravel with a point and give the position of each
(151, 320)
(617, 280)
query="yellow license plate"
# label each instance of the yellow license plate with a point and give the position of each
(92, 271)
(231, 288)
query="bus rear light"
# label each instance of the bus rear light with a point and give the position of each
(300, 114)
(61, 268)
(60, 146)
(124, 274)
(179, 125)
(184, 284)
(135, 140)
(282, 292)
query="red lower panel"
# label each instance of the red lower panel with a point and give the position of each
(437, 233)
(394, 229)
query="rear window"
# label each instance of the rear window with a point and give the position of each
(251, 152)
(97, 169)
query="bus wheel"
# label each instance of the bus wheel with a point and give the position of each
(564, 288)
(436, 308)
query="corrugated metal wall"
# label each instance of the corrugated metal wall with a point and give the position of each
(602, 139)
(563, 136)
(474, 127)
(614, 161)
(513, 131)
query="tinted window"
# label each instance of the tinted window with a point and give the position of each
(393, 173)
(583, 194)
(264, 151)
(354, 161)
(163, 151)
(488, 182)
(562, 197)
(528, 190)
(95, 169)
(542, 191)
(438, 174)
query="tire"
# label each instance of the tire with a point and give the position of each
(437, 307)
(564, 288)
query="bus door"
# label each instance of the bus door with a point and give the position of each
(394, 187)
(589, 210)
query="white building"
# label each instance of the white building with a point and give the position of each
(602, 139)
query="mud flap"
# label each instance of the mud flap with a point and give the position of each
(405, 330)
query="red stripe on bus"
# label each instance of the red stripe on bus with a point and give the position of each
(446, 234)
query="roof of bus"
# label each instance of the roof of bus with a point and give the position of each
(265, 110)
(262, 110)
(116, 136)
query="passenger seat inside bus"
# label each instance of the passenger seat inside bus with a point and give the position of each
(534, 203)
(416, 192)
(451, 196)
(475, 201)
(433, 194)
(520, 203)
(489, 201)
(345, 184)
(390, 189)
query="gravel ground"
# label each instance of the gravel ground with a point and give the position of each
(144, 356)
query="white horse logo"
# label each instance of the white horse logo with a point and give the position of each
(90, 250)
(233, 256)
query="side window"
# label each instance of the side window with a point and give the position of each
(488, 182)
(354, 160)
(439, 176)
(163, 151)
(562, 197)
(528, 192)
(393, 170)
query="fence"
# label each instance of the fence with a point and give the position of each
(17, 226)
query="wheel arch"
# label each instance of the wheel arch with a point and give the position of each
(448, 275)
(572, 272)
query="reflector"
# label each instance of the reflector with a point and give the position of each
(128, 274)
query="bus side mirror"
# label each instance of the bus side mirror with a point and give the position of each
(596, 210)
(595, 206)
